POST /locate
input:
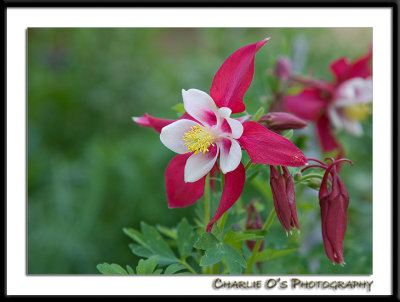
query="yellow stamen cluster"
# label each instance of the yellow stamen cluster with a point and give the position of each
(358, 112)
(198, 139)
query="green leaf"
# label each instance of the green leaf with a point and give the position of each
(173, 268)
(216, 231)
(135, 235)
(206, 241)
(258, 114)
(179, 108)
(111, 269)
(272, 254)
(288, 134)
(186, 237)
(146, 267)
(234, 261)
(130, 270)
(235, 239)
(157, 244)
(294, 90)
(140, 250)
(212, 255)
(167, 231)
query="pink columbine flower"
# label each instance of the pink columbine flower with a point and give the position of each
(334, 203)
(343, 103)
(207, 132)
(283, 193)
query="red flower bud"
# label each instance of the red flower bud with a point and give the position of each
(333, 213)
(333, 203)
(277, 121)
(283, 68)
(284, 198)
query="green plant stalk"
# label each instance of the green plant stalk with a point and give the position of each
(207, 200)
(247, 165)
(258, 243)
(308, 176)
(185, 264)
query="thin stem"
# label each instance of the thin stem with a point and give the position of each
(207, 201)
(247, 165)
(308, 176)
(259, 242)
(185, 264)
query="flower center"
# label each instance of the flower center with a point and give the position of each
(358, 112)
(198, 139)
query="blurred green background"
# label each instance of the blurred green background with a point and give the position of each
(92, 171)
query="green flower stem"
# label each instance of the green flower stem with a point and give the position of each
(247, 165)
(207, 200)
(267, 224)
(185, 264)
(308, 176)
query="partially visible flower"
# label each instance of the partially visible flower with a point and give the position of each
(334, 203)
(282, 186)
(343, 103)
(277, 121)
(283, 68)
(253, 222)
(207, 132)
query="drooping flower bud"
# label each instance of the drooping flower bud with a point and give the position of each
(277, 121)
(253, 222)
(282, 186)
(283, 68)
(334, 203)
(333, 213)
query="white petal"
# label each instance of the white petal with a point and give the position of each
(353, 127)
(235, 125)
(354, 91)
(198, 165)
(171, 135)
(231, 155)
(335, 118)
(200, 106)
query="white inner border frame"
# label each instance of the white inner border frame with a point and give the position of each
(19, 19)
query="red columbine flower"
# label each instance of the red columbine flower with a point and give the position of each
(343, 103)
(282, 186)
(207, 132)
(333, 203)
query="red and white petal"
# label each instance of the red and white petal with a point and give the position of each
(228, 125)
(172, 134)
(179, 193)
(354, 91)
(231, 154)
(267, 147)
(198, 165)
(352, 127)
(200, 106)
(234, 77)
(153, 122)
(234, 184)
(335, 118)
